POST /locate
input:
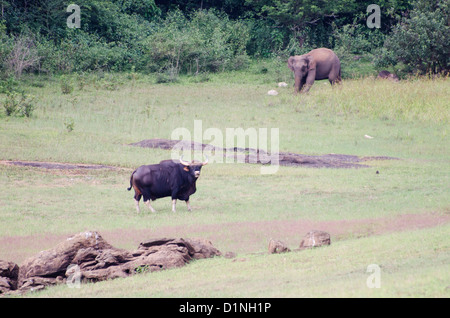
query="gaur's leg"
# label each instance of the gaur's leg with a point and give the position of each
(149, 205)
(137, 197)
(174, 203)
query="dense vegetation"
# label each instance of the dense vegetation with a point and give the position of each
(197, 36)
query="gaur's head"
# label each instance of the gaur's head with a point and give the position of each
(193, 167)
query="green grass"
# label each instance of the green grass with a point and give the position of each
(401, 117)
(411, 265)
(408, 120)
(69, 204)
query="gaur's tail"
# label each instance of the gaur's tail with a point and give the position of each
(131, 181)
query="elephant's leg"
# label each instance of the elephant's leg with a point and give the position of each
(306, 88)
(335, 81)
(334, 77)
(299, 82)
(301, 85)
(309, 81)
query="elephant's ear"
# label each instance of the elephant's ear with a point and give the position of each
(311, 63)
(290, 63)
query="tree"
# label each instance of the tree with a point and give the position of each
(296, 14)
(421, 41)
(22, 56)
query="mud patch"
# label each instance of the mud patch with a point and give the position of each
(55, 165)
(250, 155)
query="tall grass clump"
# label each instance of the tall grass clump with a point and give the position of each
(423, 99)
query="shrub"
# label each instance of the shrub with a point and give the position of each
(69, 123)
(420, 41)
(19, 104)
(8, 85)
(27, 106)
(170, 76)
(203, 42)
(66, 85)
(264, 39)
(11, 104)
(357, 39)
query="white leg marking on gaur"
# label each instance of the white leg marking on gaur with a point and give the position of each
(149, 205)
(174, 202)
(137, 206)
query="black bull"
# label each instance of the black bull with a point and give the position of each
(168, 178)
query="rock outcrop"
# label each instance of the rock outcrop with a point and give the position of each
(315, 239)
(88, 257)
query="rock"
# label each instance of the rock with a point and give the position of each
(282, 84)
(272, 92)
(9, 273)
(203, 248)
(92, 259)
(38, 283)
(160, 254)
(277, 247)
(50, 266)
(315, 239)
(230, 254)
(97, 265)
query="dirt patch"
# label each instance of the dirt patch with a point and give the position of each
(54, 165)
(249, 237)
(238, 237)
(250, 155)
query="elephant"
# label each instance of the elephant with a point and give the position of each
(388, 75)
(318, 64)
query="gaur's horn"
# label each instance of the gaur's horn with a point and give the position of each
(184, 163)
(206, 161)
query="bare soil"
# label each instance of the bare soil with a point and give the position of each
(250, 155)
(237, 237)
(54, 165)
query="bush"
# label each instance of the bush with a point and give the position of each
(8, 85)
(204, 42)
(167, 77)
(265, 40)
(27, 106)
(19, 104)
(66, 85)
(420, 42)
(69, 123)
(355, 38)
(6, 45)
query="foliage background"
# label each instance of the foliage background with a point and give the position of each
(197, 36)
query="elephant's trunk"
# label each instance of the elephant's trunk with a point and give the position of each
(298, 81)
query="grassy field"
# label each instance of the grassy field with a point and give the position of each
(415, 267)
(97, 121)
